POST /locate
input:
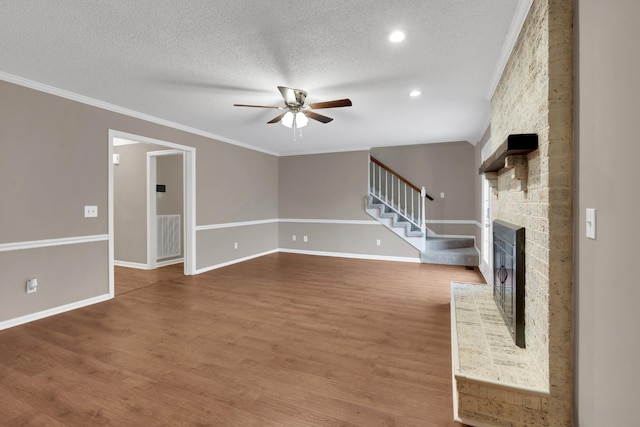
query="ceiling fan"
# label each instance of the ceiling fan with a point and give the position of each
(297, 114)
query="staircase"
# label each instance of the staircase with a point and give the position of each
(400, 206)
(395, 222)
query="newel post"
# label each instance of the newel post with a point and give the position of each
(423, 220)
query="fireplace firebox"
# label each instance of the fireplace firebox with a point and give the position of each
(508, 276)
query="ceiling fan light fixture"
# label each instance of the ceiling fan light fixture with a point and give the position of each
(301, 119)
(287, 120)
(297, 120)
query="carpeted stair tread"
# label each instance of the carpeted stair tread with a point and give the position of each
(458, 256)
(437, 243)
(398, 221)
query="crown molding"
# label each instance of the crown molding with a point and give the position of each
(21, 81)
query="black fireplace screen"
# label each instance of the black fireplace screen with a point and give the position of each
(508, 276)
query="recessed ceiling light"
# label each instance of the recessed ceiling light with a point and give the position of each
(415, 93)
(396, 36)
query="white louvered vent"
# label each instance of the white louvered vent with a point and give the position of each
(168, 236)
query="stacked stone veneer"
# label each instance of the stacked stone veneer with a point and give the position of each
(535, 95)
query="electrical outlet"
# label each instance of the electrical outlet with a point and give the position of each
(293, 237)
(442, 195)
(305, 239)
(377, 242)
(32, 286)
(90, 211)
(235, 245)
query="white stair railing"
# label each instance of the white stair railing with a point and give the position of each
(397, 193)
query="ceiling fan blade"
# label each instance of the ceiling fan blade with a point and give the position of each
(292, 97)
(276, 119)
(318, 117)
(331, 104)
(257, 106)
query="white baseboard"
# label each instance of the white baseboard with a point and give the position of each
(350, 255)
(318, 253)
(169, 262)
(128, 264)
(52, 311)
(234, 261)
(141, 266)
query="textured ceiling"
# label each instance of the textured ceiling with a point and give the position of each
(188, 62)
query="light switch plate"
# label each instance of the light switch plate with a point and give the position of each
(591, 223)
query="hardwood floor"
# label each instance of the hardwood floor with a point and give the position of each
(281, 340)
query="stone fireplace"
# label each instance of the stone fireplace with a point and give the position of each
(495, 382)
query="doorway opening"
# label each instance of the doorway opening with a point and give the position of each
(165, 207)
(139, 218)
(486, 260)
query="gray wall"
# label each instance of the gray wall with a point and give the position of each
(170, 173)
(441, 168)
(331, 187)
(55, 160)
(130, 202)
(608, 149)
(325, 186)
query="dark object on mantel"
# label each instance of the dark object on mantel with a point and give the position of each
(515, 145)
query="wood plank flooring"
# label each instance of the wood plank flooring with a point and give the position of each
(281, 340)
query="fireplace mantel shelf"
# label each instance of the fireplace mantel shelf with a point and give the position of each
(514, 145)
(512, 155)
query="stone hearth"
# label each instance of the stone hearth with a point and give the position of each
(494, 381)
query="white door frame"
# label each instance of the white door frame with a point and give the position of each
(486, 257)
(152, 219)
(189, 181)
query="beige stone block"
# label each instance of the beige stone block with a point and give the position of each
(561, 226)
(544, 404)
(503, 411)
(467, 403)
(560, 144)
(561, 210)
(560, 115)
(505, 396)
(532, 417)
(560, 243)
(468, 388)
(532, 402)
(487, 419)
(560, 174)
(561, 84)
(560, 196)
